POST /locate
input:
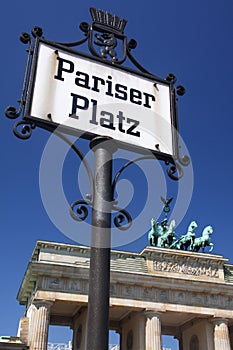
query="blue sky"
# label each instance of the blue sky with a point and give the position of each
(193, 40)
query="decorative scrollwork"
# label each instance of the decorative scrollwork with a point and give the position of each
(23, 129)
(11, 112)
(37, 32)
(173, 169)
(171, 78)
(132, 44)
(84, 26)
(123, 219)
(79, 210)
(25, 38)
(180, 90)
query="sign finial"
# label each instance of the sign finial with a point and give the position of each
(108, 20)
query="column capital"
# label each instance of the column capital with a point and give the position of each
(150, 313)
(219, 320)
(42, 303)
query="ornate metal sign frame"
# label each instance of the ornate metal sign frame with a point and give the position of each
(106, 32)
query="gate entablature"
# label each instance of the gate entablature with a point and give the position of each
(64, 268)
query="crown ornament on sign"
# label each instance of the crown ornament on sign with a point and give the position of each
(108, 20)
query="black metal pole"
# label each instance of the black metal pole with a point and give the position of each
(99, 276)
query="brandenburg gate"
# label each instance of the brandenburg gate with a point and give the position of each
(156, 292)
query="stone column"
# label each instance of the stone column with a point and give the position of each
(153, 330)
(40, 326)
(30, 314)
(23, 330)
(221, 334)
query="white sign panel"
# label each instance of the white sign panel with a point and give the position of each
(101, 99)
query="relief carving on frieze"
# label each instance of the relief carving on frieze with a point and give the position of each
(186, 267)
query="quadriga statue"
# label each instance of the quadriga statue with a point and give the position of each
(163, 235)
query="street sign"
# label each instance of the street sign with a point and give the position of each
(87, 96)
